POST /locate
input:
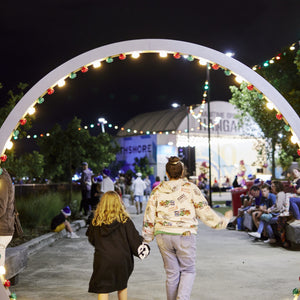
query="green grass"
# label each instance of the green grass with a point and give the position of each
(221, 210)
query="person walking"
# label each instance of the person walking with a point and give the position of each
(116, 240)
(171, 217)
(138, 187)
(86, 185)
(7, 205)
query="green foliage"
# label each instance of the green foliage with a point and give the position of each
(142, 165)
(30, 165)
(38, 211)
(13, 99)
(65, 150)
(283, 75)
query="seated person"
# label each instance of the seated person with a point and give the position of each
(59, 223)
(274, 211)
(268, 199)
(295, 201)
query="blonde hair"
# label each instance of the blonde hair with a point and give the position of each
(109, 209)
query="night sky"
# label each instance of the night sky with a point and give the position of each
(38, 36)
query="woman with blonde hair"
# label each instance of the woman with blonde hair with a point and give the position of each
(116, 240)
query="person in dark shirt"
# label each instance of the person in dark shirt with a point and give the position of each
(60, 222)
(116, 241)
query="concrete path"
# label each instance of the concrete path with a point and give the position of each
(230, 266)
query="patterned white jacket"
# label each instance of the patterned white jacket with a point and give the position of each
(173, 208)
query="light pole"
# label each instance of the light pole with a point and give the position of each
(208, 131)
(102, 121)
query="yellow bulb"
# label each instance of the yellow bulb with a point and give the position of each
(135, 54)
(270, 105)
(61, 83)
(271, 61)
(254, 68)
(47, 134)
(9, 145)
(239, 79)
(292, 48)
(293, 139)
(97, 64)
(31, 110)
(163, 54)
(202, 62)
(2, 270)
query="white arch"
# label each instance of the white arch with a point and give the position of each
(145, 45)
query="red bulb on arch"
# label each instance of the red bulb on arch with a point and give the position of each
(177, 55)
(215, 66)
(279, 116)
(23, 121)
(50, 91)
(7, 283)
(3, 157)
(250, 87)
(84, 69)
(298, 152)
(122, 56)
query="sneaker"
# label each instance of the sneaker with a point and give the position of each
(270, 241)
(68, 235)
(74, 235)
(255, 234)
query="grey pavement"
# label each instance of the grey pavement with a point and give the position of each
(230, 265)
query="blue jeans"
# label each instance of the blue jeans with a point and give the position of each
(179, 256)
(269, 229)
(295, 207)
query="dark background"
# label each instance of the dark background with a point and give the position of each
(38, 36)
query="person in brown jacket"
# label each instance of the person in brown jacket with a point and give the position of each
(7, 195)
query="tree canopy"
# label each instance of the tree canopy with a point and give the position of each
(285, 77)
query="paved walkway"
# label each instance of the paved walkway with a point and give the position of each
(229, 266)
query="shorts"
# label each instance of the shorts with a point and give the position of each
(60, 227)
(138, 198)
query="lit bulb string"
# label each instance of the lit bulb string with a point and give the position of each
(136, 54)
(128, 130)
(293, 47)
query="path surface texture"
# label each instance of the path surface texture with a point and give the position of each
(230, 265)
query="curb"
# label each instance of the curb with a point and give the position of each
(16, 257)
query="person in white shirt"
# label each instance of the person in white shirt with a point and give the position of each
(107, 184)
(138, 187)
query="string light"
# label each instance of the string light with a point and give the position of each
(135, 54)
(61, 83)
(31, 110)
(176, 55)
(163, 54)
(97, 64)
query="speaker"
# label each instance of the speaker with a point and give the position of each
(187, 156)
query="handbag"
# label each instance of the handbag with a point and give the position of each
(18, 227)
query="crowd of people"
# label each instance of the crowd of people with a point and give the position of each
(267, 209)
(173, 207)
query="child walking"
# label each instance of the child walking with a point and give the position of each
(116, 240)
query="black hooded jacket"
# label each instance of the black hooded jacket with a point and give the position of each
(115, 244)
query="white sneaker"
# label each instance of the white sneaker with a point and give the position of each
(68, 235)
(74, 235)
(255, 234)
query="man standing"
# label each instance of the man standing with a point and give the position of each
(138, 188)
(86, 185)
